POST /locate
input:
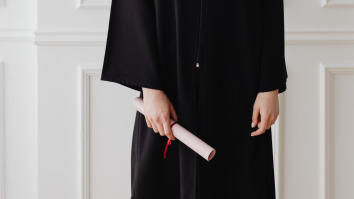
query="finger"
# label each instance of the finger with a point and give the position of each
(255, 116)
(269, 125)
(148, 123)
(275, 118)
(154, 127)
(173, 113)
(161, 130)
(264, 117)
(159, 126)
(168, 130)
(267, 122)
(262, 127)
(258, 131)
(271, 122)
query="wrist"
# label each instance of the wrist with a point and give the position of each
(151, 91)
(272, 91)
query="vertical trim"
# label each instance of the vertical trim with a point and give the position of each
(277, 132)
(87, 72)
(2, 132)
(324, 126)
(325, 112)
(16, 34)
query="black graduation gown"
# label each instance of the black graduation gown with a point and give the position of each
(239, 48)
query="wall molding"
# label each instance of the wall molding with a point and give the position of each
(70, 37)
(336, 3)
(326, 74)
(13, 34)
(94, 4)
(86, 72)
(98, 37)
(2, 132)
(296, 37)
(277, 139)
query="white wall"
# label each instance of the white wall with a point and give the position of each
(66, 134)
(18, 158)
(316, 160)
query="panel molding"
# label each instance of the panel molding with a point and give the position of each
(277, 139)
(295, 37)
(86, 72)
(2, 132)
(326, 74)
(70, 37)
(93, 4)
(86, 37)
(335, 3)
(11, 34)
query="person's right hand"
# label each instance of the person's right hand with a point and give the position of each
(158, 110)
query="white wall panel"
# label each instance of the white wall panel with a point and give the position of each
(19, 124)
(64, 14)
(106, 136)
(61, 99)
(59, 116)
(17, 14)
(310, 15)
(337, 162)
(301, 163)
(18, 163)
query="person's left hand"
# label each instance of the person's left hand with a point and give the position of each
(265, 111)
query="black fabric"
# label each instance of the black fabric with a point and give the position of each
(239, 46)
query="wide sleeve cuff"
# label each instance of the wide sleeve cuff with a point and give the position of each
(132, 54)
(273, 72)
(132, 83)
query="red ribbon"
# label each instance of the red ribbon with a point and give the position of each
(168, 143)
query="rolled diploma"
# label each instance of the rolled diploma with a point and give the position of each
(185, 136)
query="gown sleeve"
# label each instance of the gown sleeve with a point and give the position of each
(273, 72)
(131, 50)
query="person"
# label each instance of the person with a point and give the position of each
(216, 67)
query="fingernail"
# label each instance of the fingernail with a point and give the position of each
(252, 125)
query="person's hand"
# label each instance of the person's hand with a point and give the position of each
(158, 110)
(265, 111)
